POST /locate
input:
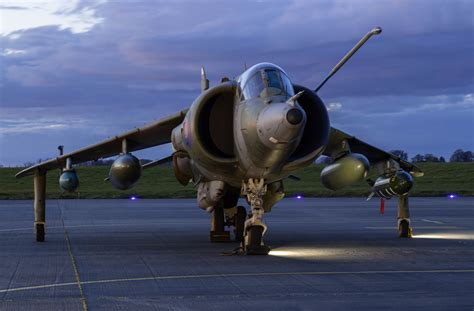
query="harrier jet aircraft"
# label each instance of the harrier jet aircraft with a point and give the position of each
(243, 137)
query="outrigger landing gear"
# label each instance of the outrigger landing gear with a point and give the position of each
(404, 229)
(39, 205)
(252, 243)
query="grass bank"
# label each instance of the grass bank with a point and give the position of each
(439, 180)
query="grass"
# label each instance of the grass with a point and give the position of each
(439, 180)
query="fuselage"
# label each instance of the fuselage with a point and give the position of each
(252, 127)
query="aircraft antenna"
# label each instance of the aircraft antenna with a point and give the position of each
(375, 31)
(204, 80)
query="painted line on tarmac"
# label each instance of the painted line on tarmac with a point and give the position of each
(416, 227)
(230, 275)
(433, 221)
(204, 222)
(108, 225)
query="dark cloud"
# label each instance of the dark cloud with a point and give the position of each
(142, 62)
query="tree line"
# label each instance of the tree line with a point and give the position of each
(458, 155)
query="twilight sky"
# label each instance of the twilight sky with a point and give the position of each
(77, 72)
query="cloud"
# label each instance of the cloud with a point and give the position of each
(13, 52)
(334, 106)
(116, 65)
(21, 15)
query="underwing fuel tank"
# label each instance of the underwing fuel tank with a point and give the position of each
(125, 171)
(345, 171)
(68, 181)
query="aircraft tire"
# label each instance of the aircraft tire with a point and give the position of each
(240, 218)
(404, 229)
(218, 219)
(39, 232)
(254, 245)
(255, 234)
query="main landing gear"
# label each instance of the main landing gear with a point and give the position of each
(226, 214)
(248, 230)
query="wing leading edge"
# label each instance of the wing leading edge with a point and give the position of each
(150, 135)
(338, 138)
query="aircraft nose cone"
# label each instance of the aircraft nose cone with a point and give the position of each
(294, 116)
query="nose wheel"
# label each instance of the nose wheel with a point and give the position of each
(253, 242)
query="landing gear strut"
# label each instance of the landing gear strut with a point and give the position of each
(254, 229)
(39, 205)
(404, 229)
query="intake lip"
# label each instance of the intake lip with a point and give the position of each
(294, 116)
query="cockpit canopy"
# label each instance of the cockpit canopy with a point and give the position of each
(265, 80)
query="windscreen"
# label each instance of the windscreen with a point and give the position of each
(265, 83)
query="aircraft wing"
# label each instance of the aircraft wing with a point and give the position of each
(150, 135)
(372, 153)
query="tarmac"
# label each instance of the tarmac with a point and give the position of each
(327, 253)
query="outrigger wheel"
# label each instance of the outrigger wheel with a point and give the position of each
(39, 232)
(253, 244)
(404, 230)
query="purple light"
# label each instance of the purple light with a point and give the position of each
(452, 196)
(133, 198)
(299, 197)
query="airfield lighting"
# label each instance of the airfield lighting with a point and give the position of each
(299, 197)
(452, 196)
(133, 198)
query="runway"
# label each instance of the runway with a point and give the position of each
(156, 255)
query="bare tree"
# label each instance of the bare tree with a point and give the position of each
(400, 153)
(462, 156)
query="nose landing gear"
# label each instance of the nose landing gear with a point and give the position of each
(254, 230)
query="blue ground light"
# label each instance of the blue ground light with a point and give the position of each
(452, 196)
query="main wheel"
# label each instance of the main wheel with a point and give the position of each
(218, 233)
(404, 229)
(239, 222)
(217, 221)
(39, 232)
